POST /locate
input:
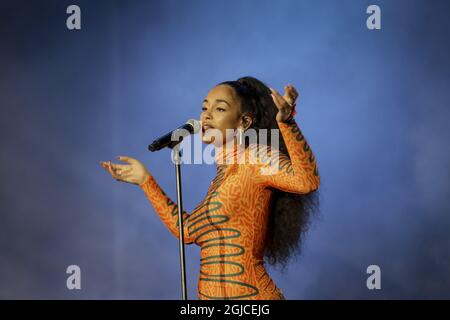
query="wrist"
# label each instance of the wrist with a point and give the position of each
(291, 115)
(147, 177)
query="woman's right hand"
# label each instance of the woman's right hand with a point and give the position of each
(133, 172)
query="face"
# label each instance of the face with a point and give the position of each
(221, 110)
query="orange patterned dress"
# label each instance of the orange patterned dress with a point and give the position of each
(230, 224)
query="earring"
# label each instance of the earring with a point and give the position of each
(240, 136)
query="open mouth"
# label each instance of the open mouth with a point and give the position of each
(206, 127)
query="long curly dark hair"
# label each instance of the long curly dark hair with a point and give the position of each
(290, 212)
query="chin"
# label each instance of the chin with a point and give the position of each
(208, 140)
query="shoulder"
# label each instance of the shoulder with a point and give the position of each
(266, 156)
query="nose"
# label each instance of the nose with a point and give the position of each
(205, 115)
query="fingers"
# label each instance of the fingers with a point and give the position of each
(127, 159)
(274, 94)
(290, 94)
(107, 166)
(278, 99)
(111, 169)
(289, 97)
(124, 170)
(123, 175)
(120, 172)
(293, 91)
(116, 166)
(117, 171)
(119, 167)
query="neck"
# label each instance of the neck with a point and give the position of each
(228, 153)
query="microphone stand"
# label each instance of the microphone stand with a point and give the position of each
(176, 157)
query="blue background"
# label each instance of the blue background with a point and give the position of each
(374, 107)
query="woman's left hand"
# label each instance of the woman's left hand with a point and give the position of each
(284, 103)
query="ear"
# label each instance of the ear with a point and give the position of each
(246, 121)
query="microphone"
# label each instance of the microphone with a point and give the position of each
(192, 126)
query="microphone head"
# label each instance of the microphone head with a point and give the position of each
(195, 125)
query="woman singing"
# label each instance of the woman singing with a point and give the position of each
(250, 211)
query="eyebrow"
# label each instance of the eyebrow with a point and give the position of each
(218, 100)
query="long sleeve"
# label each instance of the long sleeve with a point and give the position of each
(166, 209)
(299, 174)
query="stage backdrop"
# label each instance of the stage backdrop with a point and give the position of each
(374, 107)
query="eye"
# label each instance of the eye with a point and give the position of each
(203, 108)
(221, 109)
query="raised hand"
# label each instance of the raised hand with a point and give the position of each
(134, 172)
(285, 103)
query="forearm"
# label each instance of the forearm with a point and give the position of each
(302, 159)
(297, 173)
(166, 209)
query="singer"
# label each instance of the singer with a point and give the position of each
(246, 218)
